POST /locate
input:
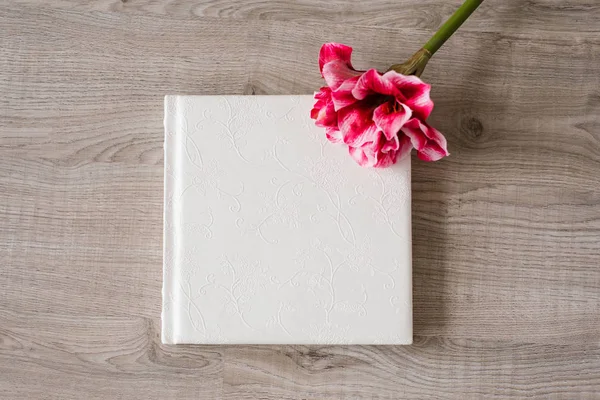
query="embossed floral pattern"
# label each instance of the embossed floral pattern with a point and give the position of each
(326, 173)
(269, 235)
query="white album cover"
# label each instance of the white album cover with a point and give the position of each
(273, 235)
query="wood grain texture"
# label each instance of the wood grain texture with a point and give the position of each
(506, 231)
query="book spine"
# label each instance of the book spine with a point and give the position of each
(171, 172)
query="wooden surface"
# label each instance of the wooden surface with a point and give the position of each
(506, 230)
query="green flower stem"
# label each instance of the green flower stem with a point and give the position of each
(451, 25)
(417, 62)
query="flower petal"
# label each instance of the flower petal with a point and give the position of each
(323, 111)
(372, 82)
(314, 113)
(432, 153)
(336, 72)
(379, 153)
(326, 117)
(390, 120)
(334, 52)
(360, 157)
(387, 146)
(356, 124)
(404, 147)
(320, 102)
(415, 93)
(386, 151)
(342, 97)
(324, 93)
(412, 129)
(429, 142)
(334, 135)
(386, 159)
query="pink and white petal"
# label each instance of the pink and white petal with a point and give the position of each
(359, 155)
(372, 82)
(404, 146)
(429, 142)
(324, 93)
(334, 51)
(314, 112)
(434, 134)
(336, 72)
(385, 151)
(318, 106)
(342, 97)
(323, 111)
(412, 129)
(379, 153)
(327, 116)
(414, 93)
(421, 105)
(334, 135)
(390, 145)
(356, 124)
(386, 159)
(390, 121)
(432, 152)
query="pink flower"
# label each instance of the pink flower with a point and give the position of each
(380, 117)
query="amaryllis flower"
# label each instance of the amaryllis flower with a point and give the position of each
(380, 117)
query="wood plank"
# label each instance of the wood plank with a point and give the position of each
(91, 236)
(61, 356)
(120, 356)
(536, 17)
(430, 369)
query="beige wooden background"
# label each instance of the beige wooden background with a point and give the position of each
(506, 230)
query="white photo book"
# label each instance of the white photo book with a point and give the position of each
(273, 235)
